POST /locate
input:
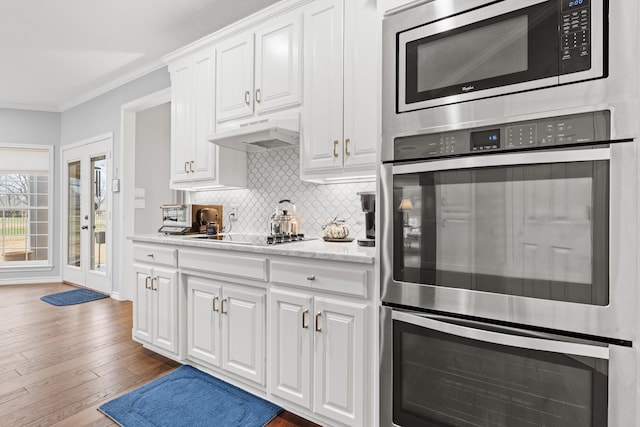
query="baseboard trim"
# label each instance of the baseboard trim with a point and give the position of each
(30, 280)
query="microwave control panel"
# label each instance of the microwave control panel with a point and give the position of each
(575, 36)
(575, 129)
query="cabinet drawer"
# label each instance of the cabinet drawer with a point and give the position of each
(343, 280)
(157, 255)
(218, 262)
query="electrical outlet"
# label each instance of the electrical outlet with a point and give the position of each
(233, 213)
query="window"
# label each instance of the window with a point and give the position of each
(25, 195)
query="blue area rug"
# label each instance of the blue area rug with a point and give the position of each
(190, 398)
(75, 296)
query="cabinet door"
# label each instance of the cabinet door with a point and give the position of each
(277, 64)
(339, 363)
(321, 146)
(165, 293)
(203, 323)
(204, 159)
(234, 78)
(181, 121)
(361, 81)
(291, 346)
(243, 330)
(142, 308)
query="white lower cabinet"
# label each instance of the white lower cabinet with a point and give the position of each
(156, 306)
(226, 326)
(317, 354)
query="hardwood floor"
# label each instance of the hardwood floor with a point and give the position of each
(59, 364)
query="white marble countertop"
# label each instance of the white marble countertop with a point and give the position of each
(317, 249)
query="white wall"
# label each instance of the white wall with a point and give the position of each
(102, 115)
(35, 127)
(153, 148)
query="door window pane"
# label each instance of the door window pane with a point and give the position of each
(98, 213)
(73, 209)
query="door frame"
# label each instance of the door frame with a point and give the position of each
(127, 179)
(106, 137)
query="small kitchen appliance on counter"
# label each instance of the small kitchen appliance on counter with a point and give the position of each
(368, 201)
(187, 219)
(176, 219)
(205, 218)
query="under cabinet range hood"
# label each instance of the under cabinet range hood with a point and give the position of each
(260, 136)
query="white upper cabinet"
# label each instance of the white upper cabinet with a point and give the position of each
(258, 71)
(234, 78)
(341, 81)
(196, 162)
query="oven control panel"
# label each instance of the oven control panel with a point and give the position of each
(575, 129)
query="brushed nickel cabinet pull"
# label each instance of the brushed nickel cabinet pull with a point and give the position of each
(305, 325)
(258, 96)
(191, 166)
(146, 282)
(318, 314)
(213, 304)
(186, 167)
(154, 279)
(346, 147)
(335, 146)
(222, 306)
(311, 278)
(247, 97)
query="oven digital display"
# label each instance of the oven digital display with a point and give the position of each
(485, 139)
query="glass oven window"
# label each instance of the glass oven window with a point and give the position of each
(444, 380)
(538, 231)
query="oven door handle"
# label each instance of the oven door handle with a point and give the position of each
(525, 342)
(512, 159)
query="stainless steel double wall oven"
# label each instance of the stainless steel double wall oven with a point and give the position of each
(509, 214)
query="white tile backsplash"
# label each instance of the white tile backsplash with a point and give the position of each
(274, 175)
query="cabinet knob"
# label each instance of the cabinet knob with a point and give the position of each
(346, 147)
(150, 255)
(247, 97)
(311, 278)
(258, 96)
(305, 325)
(335, 147)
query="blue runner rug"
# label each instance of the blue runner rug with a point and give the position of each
(190, 398)
(75, 296)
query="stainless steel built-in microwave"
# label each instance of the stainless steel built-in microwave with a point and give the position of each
(451, 51)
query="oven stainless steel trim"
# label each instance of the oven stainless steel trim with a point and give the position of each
(616, 320)
(460, 21)
(530, 158)
(622, 374)
(542, 344)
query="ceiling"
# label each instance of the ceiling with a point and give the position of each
(58, 54)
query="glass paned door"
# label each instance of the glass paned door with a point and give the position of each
(86, 220)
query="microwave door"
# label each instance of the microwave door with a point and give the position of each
(481, 53)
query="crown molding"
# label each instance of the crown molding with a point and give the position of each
(30, 107)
